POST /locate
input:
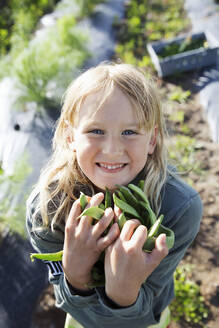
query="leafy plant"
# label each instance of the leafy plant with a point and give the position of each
(87, 6)
(179, 95)
(186, 45)
(189, 303)
(18, 19)
(145, 21)
(166, 19)
(50, 63)
(12, 212)
(183, 152)
(131, 34)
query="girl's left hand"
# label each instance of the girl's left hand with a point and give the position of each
(127, 266)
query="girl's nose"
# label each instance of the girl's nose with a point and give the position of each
(112, 146)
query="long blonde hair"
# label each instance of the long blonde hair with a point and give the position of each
(62, 176)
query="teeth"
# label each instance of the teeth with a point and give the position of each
(111, 167)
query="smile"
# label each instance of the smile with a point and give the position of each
(111, 167)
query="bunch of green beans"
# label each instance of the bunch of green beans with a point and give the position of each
(133, 203)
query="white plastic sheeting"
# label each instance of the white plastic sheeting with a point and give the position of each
(204, 16)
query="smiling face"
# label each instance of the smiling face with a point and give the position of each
(110, 147)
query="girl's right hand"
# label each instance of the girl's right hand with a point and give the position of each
(127, 266)
(85, 242)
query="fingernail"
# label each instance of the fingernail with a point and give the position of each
(99, 194)
(163, 239)
(108, 210)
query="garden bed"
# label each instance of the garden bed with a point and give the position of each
(183, 53)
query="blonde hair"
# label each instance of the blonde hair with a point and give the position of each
(62, 176)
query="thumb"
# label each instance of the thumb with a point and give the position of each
(161, 250)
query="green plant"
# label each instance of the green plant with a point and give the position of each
(183, 152)
(166, 19)
(188, 303)
(145, 21)
(50, 63)
(179, 95)
(18, 19)
(178, 117)
(177, 48)
(12, 212)
(87, 6)
(131, 34)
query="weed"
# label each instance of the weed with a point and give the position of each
(188, 303)
(179, 95)
(183, 152)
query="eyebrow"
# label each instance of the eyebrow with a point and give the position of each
(91, 121)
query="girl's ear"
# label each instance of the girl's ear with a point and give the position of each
(69, 137)
(71, 146)
(71, 143)
(153, 140)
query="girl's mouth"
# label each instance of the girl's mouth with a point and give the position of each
(113, 168)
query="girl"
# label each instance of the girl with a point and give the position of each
(111, 131)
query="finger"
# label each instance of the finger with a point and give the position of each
(74, 213)
(95, 200)
(107, 240)
(160, 244)
(117, 212)
(85, 220)
(103, 223)
(128, 229)
(139, 236)
(160, 251)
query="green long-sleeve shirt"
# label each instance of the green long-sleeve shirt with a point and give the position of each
(182, 209)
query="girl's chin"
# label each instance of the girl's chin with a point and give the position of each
(110, 187)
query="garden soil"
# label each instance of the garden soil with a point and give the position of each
(203, 255)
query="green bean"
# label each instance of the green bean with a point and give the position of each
(83, 200)
(151, 215)
(120, 195)
(129, 197)
(170, 237)
(108, 199)
(139, 193)
(94, 211)
(102, 206)
(47, 256)
(149, 244)
(126, 208)
(155, 227)
(121, 220)
(141, 185)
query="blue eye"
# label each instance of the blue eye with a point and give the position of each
(128, 132)
(96, 131)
